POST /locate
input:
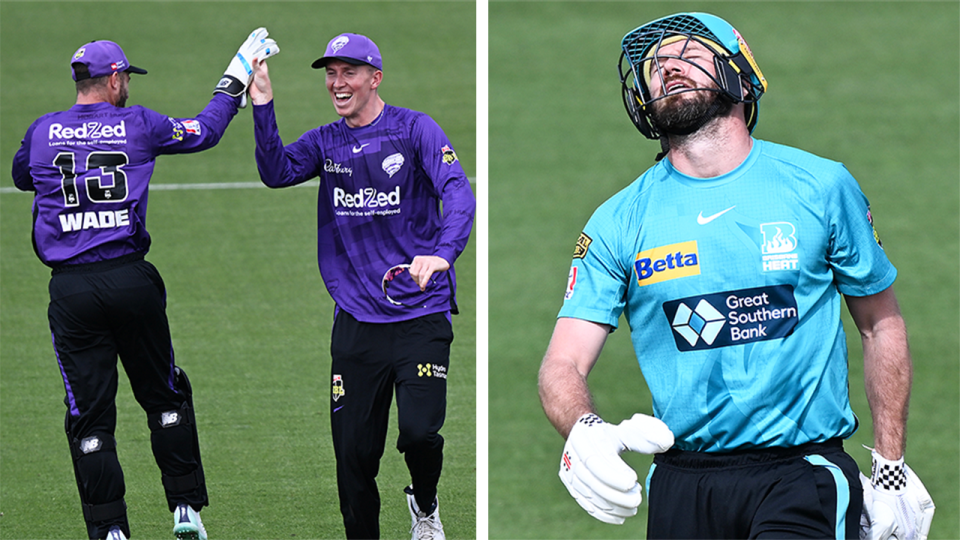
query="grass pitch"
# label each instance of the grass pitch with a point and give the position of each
(871, 84)
(249, 315)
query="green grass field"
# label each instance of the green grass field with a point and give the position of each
(249, 315)
(871, 84)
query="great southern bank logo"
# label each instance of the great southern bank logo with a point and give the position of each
(732, 317)
(667, 262)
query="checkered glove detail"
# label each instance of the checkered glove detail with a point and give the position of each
(895, 503)
(593, 472)
(888, 475)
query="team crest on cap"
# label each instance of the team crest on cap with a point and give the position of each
(79, 54)
(449, 156)
(339, 43)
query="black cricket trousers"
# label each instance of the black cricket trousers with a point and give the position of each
(370, 361)
(97, 312)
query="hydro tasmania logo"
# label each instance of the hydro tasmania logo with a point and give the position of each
(732, 317)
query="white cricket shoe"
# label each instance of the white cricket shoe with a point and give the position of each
(424, 527)
(187, 524)
(115, 534)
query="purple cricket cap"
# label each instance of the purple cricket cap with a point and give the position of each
(102, 58)
(352, 49)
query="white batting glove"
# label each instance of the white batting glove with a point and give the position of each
(240, 71)
(895, 503)
(591, 468)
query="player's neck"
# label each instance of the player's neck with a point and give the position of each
(94, 97)
(714, 150)
(368, 115)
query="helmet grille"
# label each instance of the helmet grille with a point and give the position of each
(637, 43)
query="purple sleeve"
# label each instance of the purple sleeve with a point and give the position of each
(282, 166)
(21, 163)
(188, 135)
(459, 204)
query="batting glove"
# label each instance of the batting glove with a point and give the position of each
(895, 503)
(591, 468)
(240, 71)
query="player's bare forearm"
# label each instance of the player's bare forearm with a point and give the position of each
(887, 366)
(572, 353)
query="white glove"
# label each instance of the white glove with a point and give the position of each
(591, 468)
(895, 503)
(240, 71)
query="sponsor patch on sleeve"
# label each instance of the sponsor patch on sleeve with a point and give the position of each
(583, 244)
(571, 283)
(192, 127)
(876, 236)
(178, 129)
(449, 156)
(732, 317)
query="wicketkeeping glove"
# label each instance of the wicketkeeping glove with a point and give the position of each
(895, 503)
(240, 71)
(591, 468)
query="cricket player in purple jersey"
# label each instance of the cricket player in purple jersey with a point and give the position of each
(384, 172)
(90, 167)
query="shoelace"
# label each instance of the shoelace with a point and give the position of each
(427, 527)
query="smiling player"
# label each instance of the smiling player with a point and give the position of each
(384, 172)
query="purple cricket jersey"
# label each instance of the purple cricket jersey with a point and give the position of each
(90, 167)
(381, 188)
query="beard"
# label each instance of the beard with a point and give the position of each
(686, 112)
(124, 95)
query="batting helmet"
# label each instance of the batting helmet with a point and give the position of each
(737, 75)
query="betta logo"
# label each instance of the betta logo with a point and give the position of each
(667, 262)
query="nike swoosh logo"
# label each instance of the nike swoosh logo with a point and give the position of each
(357, 149)
(704, 220)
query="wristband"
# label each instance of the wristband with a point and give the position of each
(888, 475)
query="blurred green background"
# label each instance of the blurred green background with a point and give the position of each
(871, 84)
(249, 315)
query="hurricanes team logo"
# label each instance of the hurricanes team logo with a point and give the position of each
(339, 43)
(80, 53)
(338, 391)
(392, 163)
